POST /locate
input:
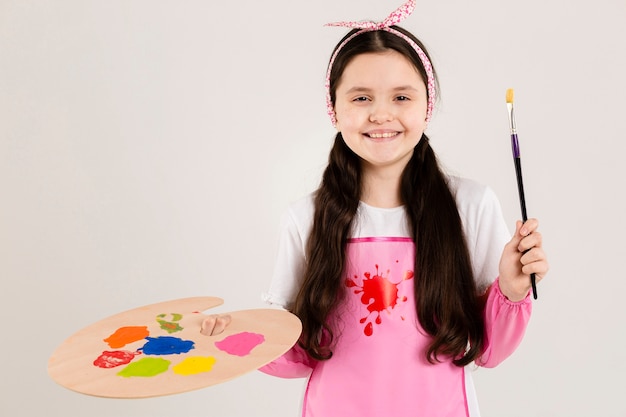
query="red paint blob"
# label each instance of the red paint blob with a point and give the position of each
(378, 294)
(110, 359)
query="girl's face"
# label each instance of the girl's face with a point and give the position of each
(380, 106)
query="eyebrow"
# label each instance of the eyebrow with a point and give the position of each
(358, 89)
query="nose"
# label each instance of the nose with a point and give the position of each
(380, 113)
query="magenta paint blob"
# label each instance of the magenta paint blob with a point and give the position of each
(240, 344)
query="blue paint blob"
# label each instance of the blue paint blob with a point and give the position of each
(166, 345)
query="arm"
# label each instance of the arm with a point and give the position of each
(295, 363)
(508, 306)
(288, 272)
(496, 254)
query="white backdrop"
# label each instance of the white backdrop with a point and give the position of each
(148, 149)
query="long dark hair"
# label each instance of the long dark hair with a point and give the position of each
(447, 303)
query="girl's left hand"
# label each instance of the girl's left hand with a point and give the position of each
(214, 324)
(522, 256)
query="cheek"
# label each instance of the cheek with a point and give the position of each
(347, 117)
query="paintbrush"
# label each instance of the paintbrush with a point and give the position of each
(518, 170)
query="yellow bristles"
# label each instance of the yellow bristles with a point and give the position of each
(509, 95)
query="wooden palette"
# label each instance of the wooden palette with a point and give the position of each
(158, 349)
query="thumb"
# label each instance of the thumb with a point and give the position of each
(517, 236)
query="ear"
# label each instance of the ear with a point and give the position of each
(336, 123)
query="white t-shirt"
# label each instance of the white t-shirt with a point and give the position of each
(485, 231)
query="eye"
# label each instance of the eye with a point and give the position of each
(402, 98)
(360, 99)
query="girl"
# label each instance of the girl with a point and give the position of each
(402, 276)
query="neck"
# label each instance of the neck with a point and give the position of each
(381, 188)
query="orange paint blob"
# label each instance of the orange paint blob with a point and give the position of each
(126, 335)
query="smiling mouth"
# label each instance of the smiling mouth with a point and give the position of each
(385, 135)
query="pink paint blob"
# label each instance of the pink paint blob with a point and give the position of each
(240, 344)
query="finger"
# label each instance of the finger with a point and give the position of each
(538, 277)
(535, 264)
(220, 324)
(539, 268)
(208, 324)
(535, 254)
(534, 240)
(529, 226)
(517, 236)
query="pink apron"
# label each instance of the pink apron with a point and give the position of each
(378, 366)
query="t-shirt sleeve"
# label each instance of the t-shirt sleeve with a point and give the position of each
(286, 281)
(487, 234)
(290, 258)
(485, 230)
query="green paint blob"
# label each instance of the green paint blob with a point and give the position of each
(170, 326)
(146, 367)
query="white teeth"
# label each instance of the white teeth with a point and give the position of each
(382, 135)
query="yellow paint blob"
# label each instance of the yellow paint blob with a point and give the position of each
(194, 365)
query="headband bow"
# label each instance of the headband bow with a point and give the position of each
(394, 18)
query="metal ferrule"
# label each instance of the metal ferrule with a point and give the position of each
(511, 118)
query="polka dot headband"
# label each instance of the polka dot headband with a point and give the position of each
(393, 19)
